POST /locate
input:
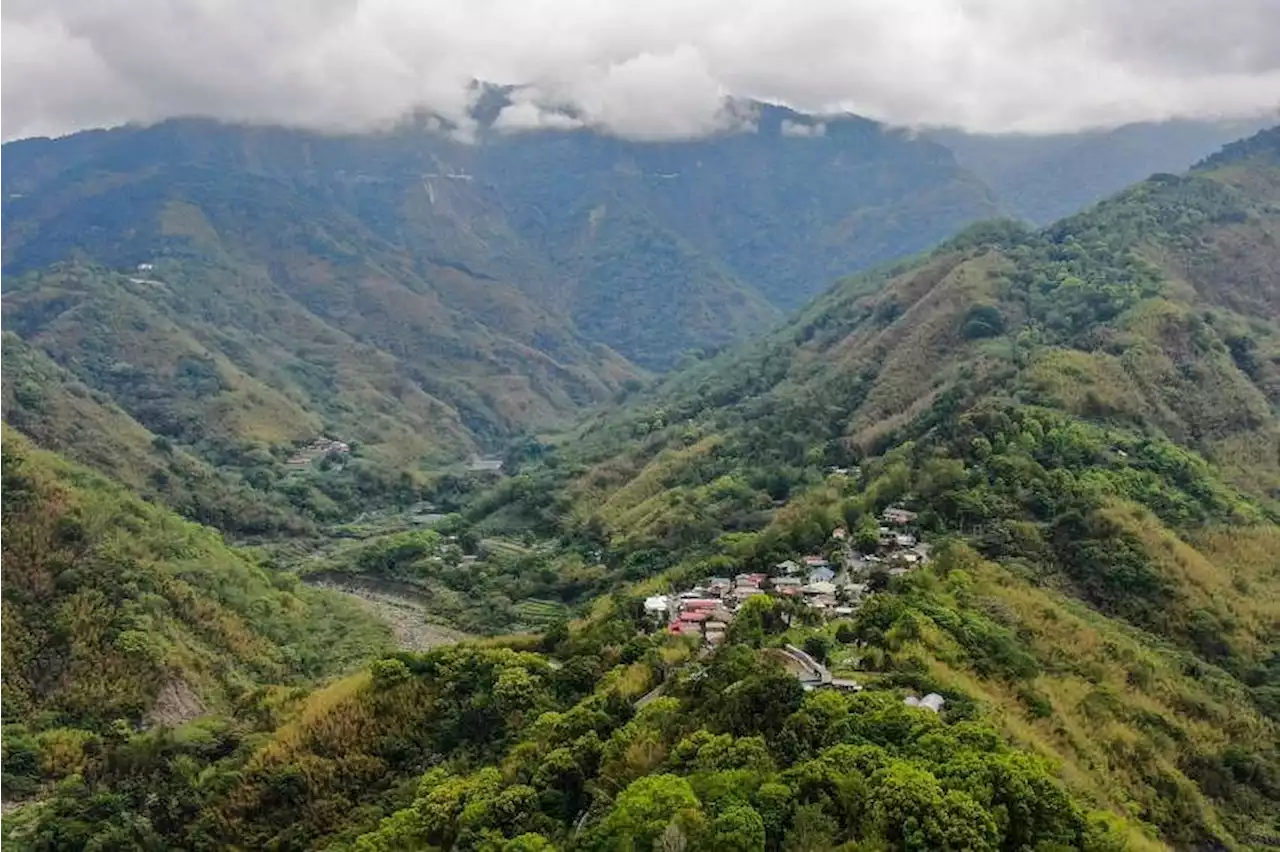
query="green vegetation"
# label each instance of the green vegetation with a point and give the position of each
(1078, 404)
(120, 616)
(1083, 419)
(524, 755)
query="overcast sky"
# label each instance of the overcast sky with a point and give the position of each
(652, 69)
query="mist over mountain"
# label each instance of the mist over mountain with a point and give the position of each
(1046, 177)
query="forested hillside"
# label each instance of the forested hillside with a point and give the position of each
(1090, 407)
(119, 615)
(241, 292)
(648, 248)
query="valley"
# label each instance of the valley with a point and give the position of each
(387, 492)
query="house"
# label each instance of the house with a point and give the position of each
(699, 604)
(933, 701)
(840, 534)
(782, 583)
(714, 637)
(856, 590)
(696, 616)
(679, 628)
(897, 572)
(822, 575)
(719, 585)
(844, 684)
(898, 516)
(787, 568)
(716, 626)
(479, 465)
(657, 606)
(905, 540)
(814, 561)
(820, 588)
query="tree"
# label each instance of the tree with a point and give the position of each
(811, 830)
(983, 321)
(911, 812)
(761, 704)
(643, 811)
(867, 537)
(775, 803)
(818, 647)
(738, 829)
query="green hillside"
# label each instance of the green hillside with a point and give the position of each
(119, 615)
(1091, 408)
(60, 413)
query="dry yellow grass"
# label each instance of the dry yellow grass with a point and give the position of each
(1223, 578)
(1124, 710)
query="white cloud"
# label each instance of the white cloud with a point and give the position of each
(527, 115)
(662, 69)
(803, 129)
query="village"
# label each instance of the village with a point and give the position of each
(832, 589)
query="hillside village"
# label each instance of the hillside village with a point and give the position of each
(832, 589)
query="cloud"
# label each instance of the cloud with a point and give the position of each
(803, 129)
(528, 115)
(657, 70)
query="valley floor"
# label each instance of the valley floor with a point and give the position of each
(399, 605)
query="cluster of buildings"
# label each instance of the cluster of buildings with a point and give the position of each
(834, 588)
(319, 447)
(476, 464)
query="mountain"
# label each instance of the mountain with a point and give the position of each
(1073, 429)
(1084, 417)
(240, 292)
(1042, 178)
(57, 411)
(793, 201)
(651, 248)
(160, 693)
